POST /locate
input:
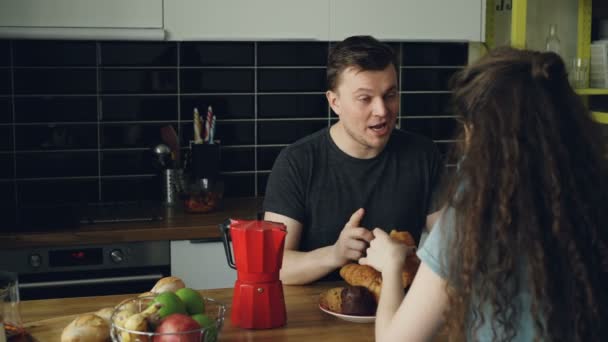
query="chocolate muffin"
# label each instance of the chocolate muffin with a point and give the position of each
(358, 300)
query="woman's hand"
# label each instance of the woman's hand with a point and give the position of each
(385, 254)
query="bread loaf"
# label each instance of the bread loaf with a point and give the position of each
(168, 284)
(86, 328)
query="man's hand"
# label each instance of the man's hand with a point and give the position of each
(353, 240)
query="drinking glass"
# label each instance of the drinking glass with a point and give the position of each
(10, 316)
(579, 72)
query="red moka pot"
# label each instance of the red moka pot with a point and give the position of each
(258, 301)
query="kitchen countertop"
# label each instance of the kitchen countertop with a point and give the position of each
(177, 225)
(45, 319)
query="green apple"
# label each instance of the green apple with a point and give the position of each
(171, 304)
(195, 304)
(209, 325)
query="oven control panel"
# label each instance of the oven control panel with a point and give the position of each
(88, 257)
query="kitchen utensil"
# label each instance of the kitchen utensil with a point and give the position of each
(258, 301)
(198, 127)
(169, 137)
(173, 185)
(163, 154)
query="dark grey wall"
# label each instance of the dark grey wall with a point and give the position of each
(78, 118)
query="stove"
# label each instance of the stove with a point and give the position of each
(88, 270)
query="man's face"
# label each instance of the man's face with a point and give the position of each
(367, 103)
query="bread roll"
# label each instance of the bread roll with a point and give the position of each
(332, 299)
(106, 314)
(86, 328)
(168, 284)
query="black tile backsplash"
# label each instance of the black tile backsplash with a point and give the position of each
(57, 164)
(217, 54)
(6, 166)
(130, 135)
(139, 108)
(287, 132)
(302, 54)
(5, 53)
(291, 80)
(6, 113)
(45, 53)
(131, 189)
(150, 81)
(83, 117)
(6, 138)
(217, 80)
(238, 159)
(426, 79)
(56, 109)
(53, 136)
(5, 81)
(230, 106)
(50, 81)
(138, 54)
(292, 106)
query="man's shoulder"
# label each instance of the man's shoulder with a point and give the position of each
(308, 144)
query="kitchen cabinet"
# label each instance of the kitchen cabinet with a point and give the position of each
(82, 19)
(246, 19)
(201, 265)
(445, 20)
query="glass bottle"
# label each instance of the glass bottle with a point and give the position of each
(553, 43)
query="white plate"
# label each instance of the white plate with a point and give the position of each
(350, 318)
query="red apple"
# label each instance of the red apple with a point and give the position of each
(178, 323)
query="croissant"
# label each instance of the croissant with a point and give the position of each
(363, 275)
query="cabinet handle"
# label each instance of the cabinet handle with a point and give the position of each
(89, 281)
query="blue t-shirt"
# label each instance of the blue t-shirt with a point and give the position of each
(433, 254)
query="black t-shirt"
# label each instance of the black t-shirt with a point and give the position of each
(317, 184)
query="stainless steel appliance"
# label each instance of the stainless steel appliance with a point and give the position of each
(87, 270)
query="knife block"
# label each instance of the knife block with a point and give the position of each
(205, 161)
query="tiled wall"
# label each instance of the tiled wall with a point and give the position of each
(78, 119)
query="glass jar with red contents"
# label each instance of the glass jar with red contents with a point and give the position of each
(203, 195)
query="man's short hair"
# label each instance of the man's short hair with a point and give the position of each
(364, 52)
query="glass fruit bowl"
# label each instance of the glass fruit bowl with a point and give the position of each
(147, 326)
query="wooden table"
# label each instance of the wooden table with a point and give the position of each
(45, 319)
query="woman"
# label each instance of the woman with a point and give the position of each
(519, 253)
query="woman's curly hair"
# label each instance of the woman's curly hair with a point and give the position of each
(530, 199)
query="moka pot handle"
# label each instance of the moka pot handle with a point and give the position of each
(224, 229)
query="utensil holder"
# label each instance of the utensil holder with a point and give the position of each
(173, 185)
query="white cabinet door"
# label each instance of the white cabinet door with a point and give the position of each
(201, 265)
(446, 20)
(82, 13)
(246, 19)
(82, 19)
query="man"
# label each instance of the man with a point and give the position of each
(332, 187)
